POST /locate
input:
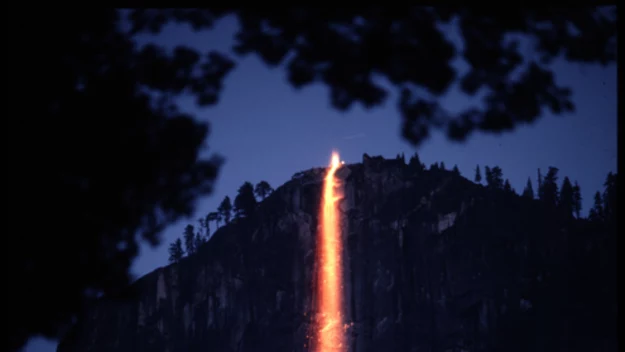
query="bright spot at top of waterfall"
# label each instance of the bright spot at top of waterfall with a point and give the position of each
(335, 159)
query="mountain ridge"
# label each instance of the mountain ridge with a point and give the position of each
(433, 261)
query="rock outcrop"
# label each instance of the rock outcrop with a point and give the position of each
(433, 262)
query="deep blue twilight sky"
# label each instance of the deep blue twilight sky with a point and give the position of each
(268, 131)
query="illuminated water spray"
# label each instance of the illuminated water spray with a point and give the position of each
(329, 329)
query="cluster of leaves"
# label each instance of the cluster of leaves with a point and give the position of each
(245, 203)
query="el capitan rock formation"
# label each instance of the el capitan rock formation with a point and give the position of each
(432, 262)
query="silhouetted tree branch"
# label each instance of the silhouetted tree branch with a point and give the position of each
(100, 147)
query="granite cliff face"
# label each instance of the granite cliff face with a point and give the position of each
(433, 262)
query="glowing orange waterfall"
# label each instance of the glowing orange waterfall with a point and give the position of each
(329, 329)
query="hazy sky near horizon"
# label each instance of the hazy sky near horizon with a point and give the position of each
(266, 130)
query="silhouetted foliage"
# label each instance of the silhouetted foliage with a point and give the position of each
(577, 200)
(175, 251)
(539, 181)
(507, 187)
(344, 48)
(189, 239)
(401, 157)
(478, 174)
(101, 140)
(434, 167)
(567, 197)
(415, 163)
(609, 197)
(198, 241)
(494, 177)
(263, 189)
(455, 170)
(92, 78)
(245, 202)
(549, 187)
(596, 212)
(528, 191)
(225, 209)
(441, 165)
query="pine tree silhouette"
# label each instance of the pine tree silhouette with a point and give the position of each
(528, 191)
(478, 175)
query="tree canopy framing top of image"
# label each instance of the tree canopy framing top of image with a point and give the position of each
(345, 49)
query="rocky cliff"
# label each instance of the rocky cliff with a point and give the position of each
(433, 262)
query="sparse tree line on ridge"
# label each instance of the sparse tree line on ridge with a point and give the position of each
(244, 204)
(567, 197)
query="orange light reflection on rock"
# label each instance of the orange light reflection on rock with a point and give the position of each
(329, 330)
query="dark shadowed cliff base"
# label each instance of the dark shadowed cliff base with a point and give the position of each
(433, 262)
